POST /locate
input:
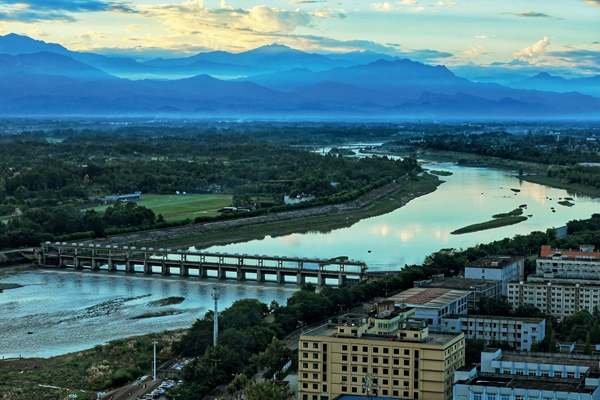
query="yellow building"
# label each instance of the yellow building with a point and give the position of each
(410, 363)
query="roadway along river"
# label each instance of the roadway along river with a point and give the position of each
(67, 311)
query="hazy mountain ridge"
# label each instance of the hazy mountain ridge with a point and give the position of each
(63, 82)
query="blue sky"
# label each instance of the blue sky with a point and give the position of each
(553, 35)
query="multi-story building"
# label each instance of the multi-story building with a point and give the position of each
(557, 299)
(400, 361)
(529, 376)
(433, 304)
(568, 264)
(477, 288)
(518, 332)
(498, 268)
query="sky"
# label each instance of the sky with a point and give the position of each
(553, 35)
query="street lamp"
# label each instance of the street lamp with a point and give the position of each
(155, 343)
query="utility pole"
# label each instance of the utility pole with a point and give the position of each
(216, 295)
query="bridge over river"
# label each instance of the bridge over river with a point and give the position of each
(201, 264)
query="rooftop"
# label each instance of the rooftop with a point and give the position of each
(551, 358)
(584, 252)
(495, 261)
(462, 284)
(428, 297)
(528, 382)
(435, 337)
(493, 317)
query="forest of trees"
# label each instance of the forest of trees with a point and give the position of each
(51, 182)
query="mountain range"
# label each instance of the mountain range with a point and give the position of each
(46, 79)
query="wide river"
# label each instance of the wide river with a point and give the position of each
(57, 312)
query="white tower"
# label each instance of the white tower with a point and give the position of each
(216, 295)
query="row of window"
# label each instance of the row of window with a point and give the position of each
(479, 396)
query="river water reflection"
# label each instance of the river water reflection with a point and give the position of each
(68, 311)
(408, 234)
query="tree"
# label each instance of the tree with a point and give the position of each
(236, 388)
(268, 390)
(275, 356)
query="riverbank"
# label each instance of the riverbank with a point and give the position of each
(325, 218)
(83, 373)
(532, 172)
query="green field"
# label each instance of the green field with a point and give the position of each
(179, 207)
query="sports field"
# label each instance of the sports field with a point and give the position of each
(179, 207)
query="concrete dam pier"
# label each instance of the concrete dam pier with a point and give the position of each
(201, 264)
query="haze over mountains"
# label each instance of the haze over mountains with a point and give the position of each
(44, 79)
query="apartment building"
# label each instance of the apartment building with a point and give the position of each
(498, 268)
(568, 264)
(408, 362)
(432, 304)
(557, 299)
(518, 332)
(529, 376)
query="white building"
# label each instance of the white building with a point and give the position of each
(568, 264)
(529, 376)
(558, 299)
(498, 268)
(518, 332)
(433, 304)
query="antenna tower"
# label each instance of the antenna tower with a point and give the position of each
(216, 295)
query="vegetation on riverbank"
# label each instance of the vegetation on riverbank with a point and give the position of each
(84, 373)
(410, 189)
(494, 223)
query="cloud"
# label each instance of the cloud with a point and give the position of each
(532, 14)
(481, 37)
(426, 55)
(306, 1)
(532, 51)
(34, 11)
(192, 17)
(595, 3)
(408, 2)
(416, 9)
(382, 7)
(327, 12)
(476, 51)
(444, 4)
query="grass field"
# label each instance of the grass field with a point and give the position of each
(179, 207)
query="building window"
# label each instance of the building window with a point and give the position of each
(354, 359)
(315, 386)
(304, 365)
(344, 368)
(416, 395)
(375, 360)
(344, 358)
(406, 352)
(315, 376)
(364, 370)
(365, 360)
(354, 348)
(354, 390)
(406, 372)
(315, 345)
(344, 347)
(386, 350)
(354, 369)
(476, 396)
(365, 349)
(406, 362)
(305, 385)
(344, 388)
(375, 349)
(396, 351)
(305, 355)
(315, 366)
(305, 345)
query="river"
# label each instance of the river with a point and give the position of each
(67, 311)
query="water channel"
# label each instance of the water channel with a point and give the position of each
(56, 312)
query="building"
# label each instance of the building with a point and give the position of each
(498, 268)
(529, 376)
(565, 282)
(433, 304)
(301, 198)
(477, 288)
(411, 363)
(124, 197)
(568, 264)
(518, 332)
(557, 299)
